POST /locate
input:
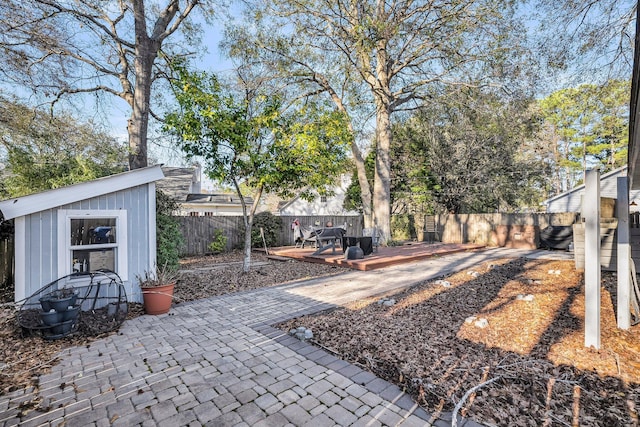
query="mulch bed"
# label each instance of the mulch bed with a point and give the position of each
(527, 367)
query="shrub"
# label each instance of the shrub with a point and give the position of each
(169, 239)
(271, 224)
(219, 243)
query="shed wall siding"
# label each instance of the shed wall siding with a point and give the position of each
(42, 241)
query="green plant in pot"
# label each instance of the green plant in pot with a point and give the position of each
(157, 289)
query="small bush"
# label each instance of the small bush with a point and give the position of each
(219, 243)
(271, 224)
(169, 239)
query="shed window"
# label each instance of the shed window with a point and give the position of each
(93, 240)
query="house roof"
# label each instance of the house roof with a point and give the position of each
(217, 199)
(177, 182)
(622, 171)
(20, 206)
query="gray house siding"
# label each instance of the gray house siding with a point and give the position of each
(42, 244)
(571, 201)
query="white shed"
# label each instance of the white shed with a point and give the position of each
(571, 201)
(105, 223)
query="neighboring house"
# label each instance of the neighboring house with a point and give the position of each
(216, 204)
(105, 223)
(180, 182)
(320, 205)
(184, 186)
(571, 201)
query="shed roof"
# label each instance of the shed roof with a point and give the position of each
(20, 206)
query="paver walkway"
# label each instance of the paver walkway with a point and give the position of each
(218, 362)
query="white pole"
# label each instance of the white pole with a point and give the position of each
(591, 217)
(624, 254)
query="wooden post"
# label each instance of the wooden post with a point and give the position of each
(591, 216)
(624, 254)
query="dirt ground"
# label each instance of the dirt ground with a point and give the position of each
(526, 366)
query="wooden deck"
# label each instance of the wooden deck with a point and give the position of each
(384, 257)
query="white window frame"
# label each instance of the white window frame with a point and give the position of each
(65, 249)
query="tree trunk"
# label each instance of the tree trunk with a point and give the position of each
(358, 158)
(139, 121)
(246, 260)
(365, 188)
(382, 179)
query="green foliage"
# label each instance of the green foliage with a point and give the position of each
(469, 151)
(255, 140)
(587, 126)
(403, 227)
(42, 153)
(272, 226)
(169, 238)
(219, 243)
(251, 142)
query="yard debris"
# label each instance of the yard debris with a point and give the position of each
(387, 302)
(301, 333)
(522, 297)
(470, 319)
(481, 323)
(444, 283)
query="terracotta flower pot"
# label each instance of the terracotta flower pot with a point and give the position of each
(157, 299)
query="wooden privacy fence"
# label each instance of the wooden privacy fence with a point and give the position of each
(198, 231)
(481, 228)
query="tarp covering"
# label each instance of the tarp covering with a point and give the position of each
(556, 236)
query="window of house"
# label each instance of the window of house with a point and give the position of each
(92, 240)
(323, 199)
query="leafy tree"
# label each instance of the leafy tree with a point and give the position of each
(586, 126)
(61, 48)
(251, 139)
(41, 152)
(470, 151)
(377, 58)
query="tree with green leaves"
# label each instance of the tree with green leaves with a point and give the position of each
(375, 58)
(41, 152)
(248, 139)
(62, 48)
(586, 126)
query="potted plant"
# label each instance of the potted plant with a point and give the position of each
(157, 289)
